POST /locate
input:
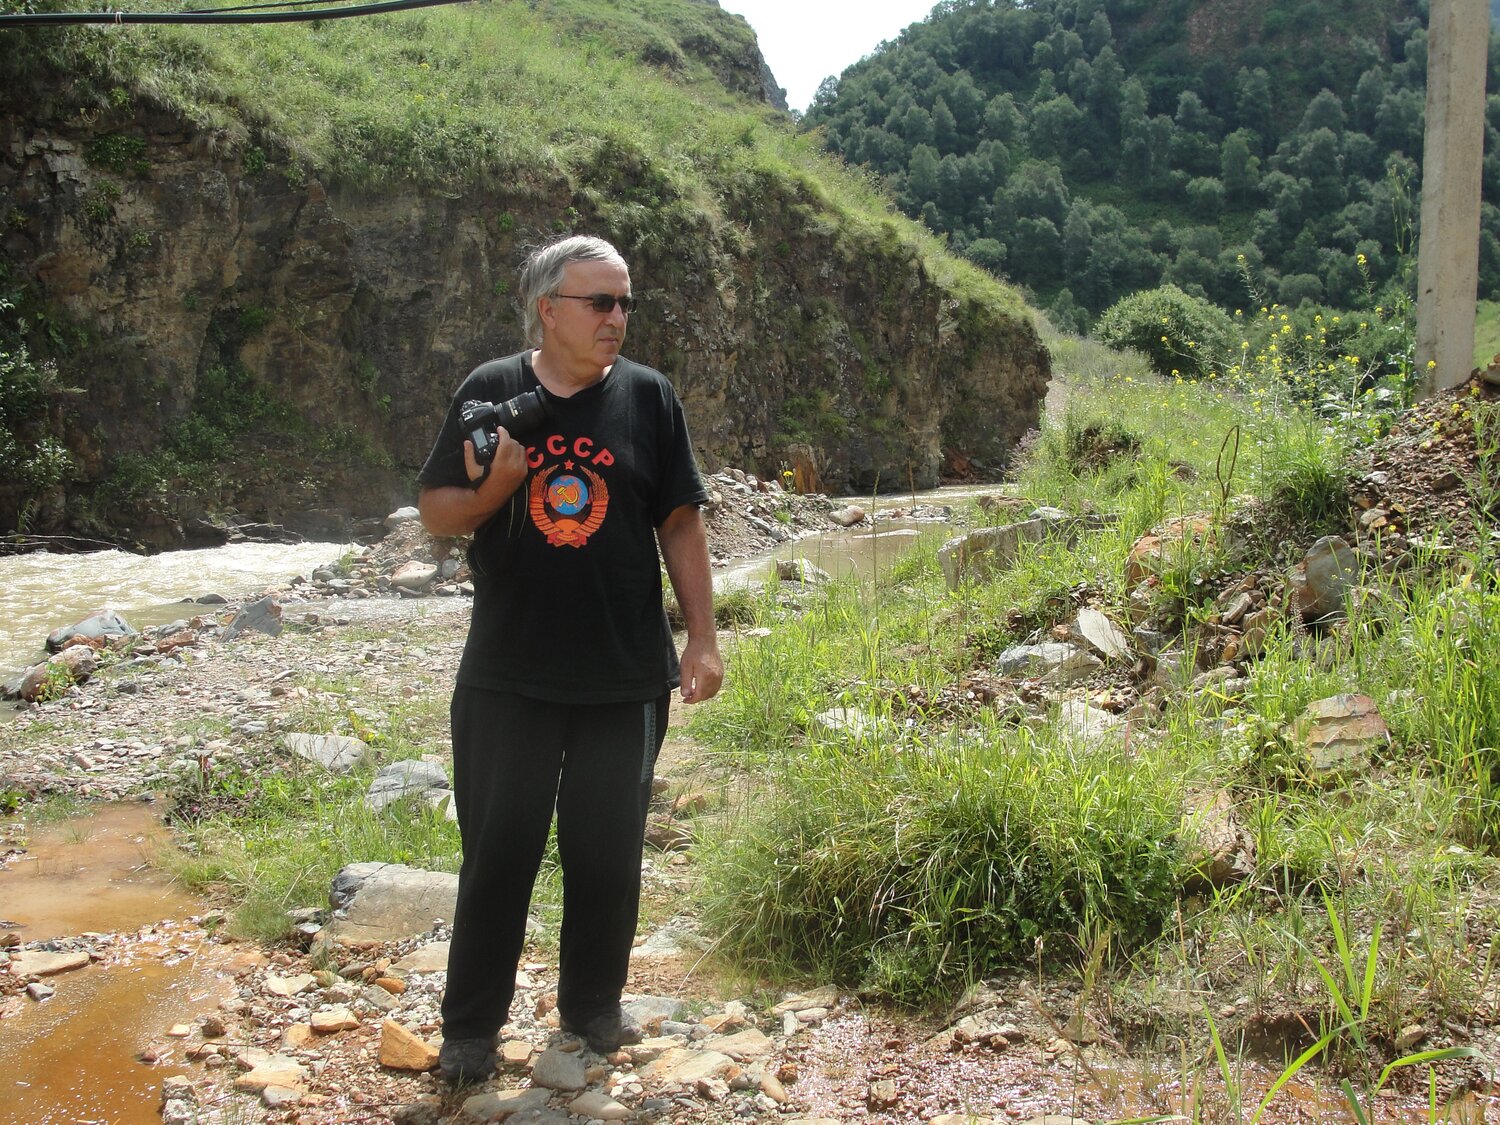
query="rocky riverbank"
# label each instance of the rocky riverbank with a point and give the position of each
(340, 1024)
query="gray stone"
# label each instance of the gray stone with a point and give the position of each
(1089, 725)
(986, 550)
(497, 1105)
(742, 1046)
(644, 1009)
(1103, 634)
(263, 616)
(800, 570)
(389, 901)
(1338, 734)
(106, 623)
(336, 753)
(40, 963)
(559, 1070)
(414, 576)
(684, 1066)
(1331, 567)
(404, 778)
(849, 722)
(429, 958)
(402, 515)
(1052, 661)
(599, 1106)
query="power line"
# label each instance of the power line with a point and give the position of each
(243, 14)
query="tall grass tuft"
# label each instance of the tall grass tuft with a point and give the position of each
(911, 873)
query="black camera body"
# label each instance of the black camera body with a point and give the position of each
(520, 416)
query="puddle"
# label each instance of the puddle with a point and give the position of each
(90, 874)
(75, 1057)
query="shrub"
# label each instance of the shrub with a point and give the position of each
(1177, 333)
(913, 875)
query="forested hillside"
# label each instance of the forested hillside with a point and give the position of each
(1090, 148)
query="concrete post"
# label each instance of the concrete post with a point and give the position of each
(1448, 244)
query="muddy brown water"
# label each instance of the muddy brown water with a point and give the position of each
(76, 1057)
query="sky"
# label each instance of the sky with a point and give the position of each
(804, 41)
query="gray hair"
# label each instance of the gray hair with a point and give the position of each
(542, 275)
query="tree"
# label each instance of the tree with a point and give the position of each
(1174, 331)
(1037, 190)
(1097, 35)
(950, 196)
(988, 253)
(1254, 107)
(1054, 127)
(1066, 315)
(921, 177)
(1239, 168)
(1205, 197)
(1036, 250)
(1193, 116)
(1002, 120)
(916, 126)
(1299, 288)
(1319, 161)
(827, 94)
(1077, 238)
(1326, 111)
(1106, 89)
(1369, 92)
(944, 127)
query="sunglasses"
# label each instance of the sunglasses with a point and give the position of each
(604, 303)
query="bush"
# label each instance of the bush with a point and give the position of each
(1177, 333)
(913, 875)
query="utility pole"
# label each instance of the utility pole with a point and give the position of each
(1458, 35)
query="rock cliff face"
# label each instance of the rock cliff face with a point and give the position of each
(189, 275)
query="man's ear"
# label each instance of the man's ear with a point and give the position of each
(546, 311)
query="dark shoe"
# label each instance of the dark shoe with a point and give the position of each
(605, 1033)
(462, 1061)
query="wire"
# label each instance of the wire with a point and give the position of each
(267, 4)
(225, 15)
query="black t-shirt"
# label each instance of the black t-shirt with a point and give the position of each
(567, 581)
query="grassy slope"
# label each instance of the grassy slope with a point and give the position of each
(1486, 332)
(499, 94)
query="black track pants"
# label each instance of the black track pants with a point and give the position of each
(514, 760)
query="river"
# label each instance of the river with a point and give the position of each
(41, 592)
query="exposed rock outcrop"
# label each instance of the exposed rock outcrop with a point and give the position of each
(207, 272)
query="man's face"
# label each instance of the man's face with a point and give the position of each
(584, 339)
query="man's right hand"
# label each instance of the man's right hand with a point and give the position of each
(508, 465)
(456, 510)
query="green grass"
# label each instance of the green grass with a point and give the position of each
(952, 839)
(1486, 332)
(572, 99)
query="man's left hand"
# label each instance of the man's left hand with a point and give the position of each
(702, 670)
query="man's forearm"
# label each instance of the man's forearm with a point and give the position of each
(684, 548)
(451, 510)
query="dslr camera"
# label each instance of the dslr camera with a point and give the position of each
(520, 416)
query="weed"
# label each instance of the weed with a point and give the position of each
(122, 155)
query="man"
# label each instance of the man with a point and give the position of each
(568, 670)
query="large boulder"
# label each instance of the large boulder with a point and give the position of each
(389, 901)
(105, 623)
